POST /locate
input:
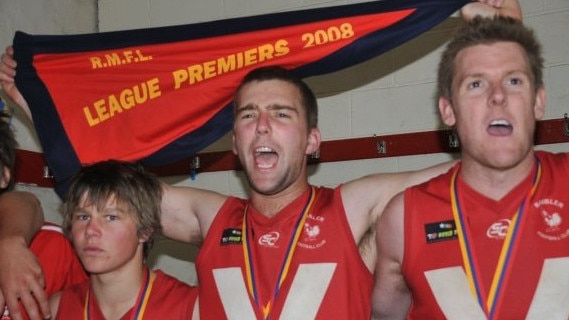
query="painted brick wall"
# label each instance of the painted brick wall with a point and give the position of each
(390, 94)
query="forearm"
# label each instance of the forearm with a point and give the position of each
(21, 216)
(7, 83)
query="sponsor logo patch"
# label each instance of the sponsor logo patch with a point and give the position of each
(231, 236)
(440, 231)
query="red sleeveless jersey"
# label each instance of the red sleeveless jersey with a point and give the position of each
(537, 283)
(327, 279)
(60, 265)
(170, 298)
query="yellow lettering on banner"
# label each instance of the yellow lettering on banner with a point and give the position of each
(105, 109)
(251, 56)
(90, 120)
(328, 35)
(101, 110)
(128, 56)
(196, 73)
(114, 106)
(118, 58)
(212, 68)
(209, 69)
(266, 52)
(113, 59)
(239, 57)
(180, 76)
(281, 48)
(96, 62)
(227, 64)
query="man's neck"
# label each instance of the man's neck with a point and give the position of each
(270, 205)
(495, 183)
(117, 292)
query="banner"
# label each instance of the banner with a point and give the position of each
(159, 95)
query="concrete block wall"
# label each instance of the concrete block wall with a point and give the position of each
(391, 94)
(43, 17)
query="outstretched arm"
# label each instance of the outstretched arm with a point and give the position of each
(490, 8)
(7, 74)
(187, 213)
(365, 198)
(21, 277)
(391, 297)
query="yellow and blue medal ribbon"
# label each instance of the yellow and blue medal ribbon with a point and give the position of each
(144, 295)
(247, 253)
(141, 301)
(491, 302)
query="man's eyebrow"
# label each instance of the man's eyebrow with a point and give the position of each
(508, 73)
(246, 107)
(275, 106)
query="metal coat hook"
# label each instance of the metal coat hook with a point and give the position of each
(47, 173)
(194, 165)
(381, 145)
(453, 141)
(566, 124)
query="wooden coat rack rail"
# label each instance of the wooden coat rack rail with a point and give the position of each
(31, 168)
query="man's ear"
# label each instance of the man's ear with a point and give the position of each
(5, 178)
(447, 112)
(233, 143)
(539, 104)
(313, 141)
(145, 235)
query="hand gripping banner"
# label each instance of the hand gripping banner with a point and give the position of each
(160, 95)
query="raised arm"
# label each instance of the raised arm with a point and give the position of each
(489, 8)
(7, 74)
(391, 297)
(21, 277)
(365, 198)
(187, 213)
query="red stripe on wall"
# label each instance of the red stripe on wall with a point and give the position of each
(30, 168)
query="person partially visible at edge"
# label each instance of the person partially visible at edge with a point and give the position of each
(490, 238)
(111, 214)
(323, 237)
(49, 247)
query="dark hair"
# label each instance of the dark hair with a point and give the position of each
(127, 183)
(488, 31)
(279, 73)
(7, 149)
